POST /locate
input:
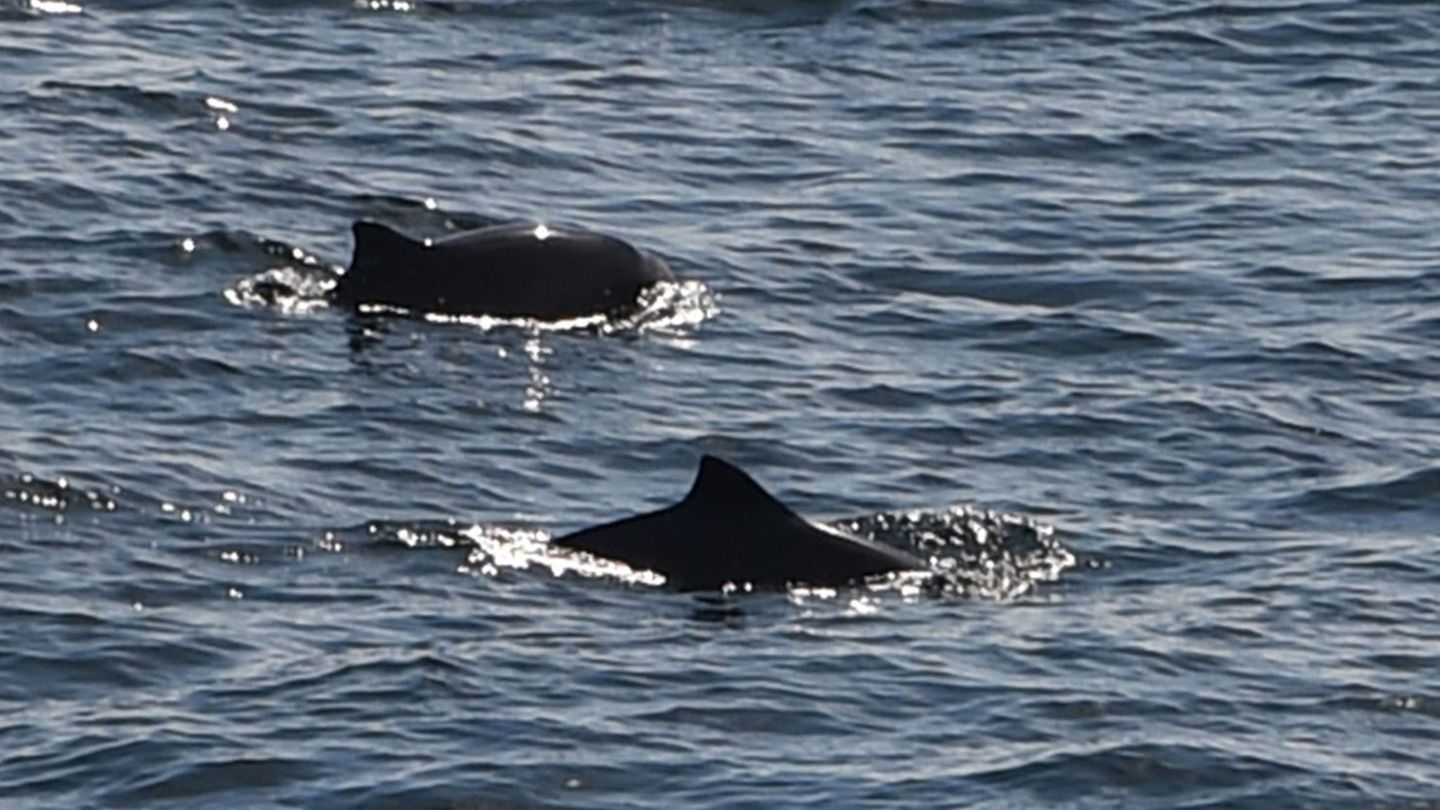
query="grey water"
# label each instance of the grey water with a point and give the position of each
(1128, 311)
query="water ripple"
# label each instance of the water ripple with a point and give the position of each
(1161, 275)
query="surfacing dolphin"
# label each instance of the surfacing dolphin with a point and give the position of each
(506, 271)
(730, 530)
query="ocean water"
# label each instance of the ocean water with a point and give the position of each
(1127, 312)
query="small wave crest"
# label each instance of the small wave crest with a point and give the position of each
(496, 549)
(972, 552)
(665, 306)
(1412, 492)
(59, 495)
(287, 289)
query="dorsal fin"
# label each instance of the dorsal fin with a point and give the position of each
(381, 245)
(721, 485)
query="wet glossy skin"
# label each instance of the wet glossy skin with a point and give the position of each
(503, 271)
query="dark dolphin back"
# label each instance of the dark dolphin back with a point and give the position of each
(683, 537)
(505, 271)
(512, 271)
(729, 529)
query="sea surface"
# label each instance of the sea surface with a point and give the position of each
(1125, 313)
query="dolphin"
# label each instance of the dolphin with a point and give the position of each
(507, 271)
(730, 530)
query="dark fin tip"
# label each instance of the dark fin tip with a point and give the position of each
(369, 229)
(720, 481)
(380, 245)
(715, 464)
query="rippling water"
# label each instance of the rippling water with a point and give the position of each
(1157, 280)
